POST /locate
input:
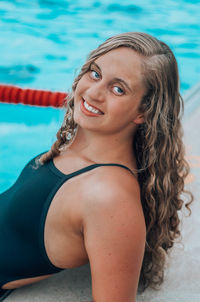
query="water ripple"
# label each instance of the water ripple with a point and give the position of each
(130, 9)
(18, 74)
(49, 30)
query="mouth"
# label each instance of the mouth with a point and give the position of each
(89, 109)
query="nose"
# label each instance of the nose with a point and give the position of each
(96, 92)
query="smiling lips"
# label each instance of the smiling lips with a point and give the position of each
(90, 110)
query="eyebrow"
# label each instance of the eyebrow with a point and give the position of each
(115, 79)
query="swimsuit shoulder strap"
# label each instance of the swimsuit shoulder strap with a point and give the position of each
(93, 166)
(118, 165)
(83, 170)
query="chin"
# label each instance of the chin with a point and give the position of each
(81, 121)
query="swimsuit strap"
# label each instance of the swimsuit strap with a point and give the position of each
(93, 166)
(118, 165)
(83, 170)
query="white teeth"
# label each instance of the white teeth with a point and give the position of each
(90, 108)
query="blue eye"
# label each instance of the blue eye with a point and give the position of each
(94, 74)
(118, 90)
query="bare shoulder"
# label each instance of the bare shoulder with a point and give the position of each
(113, 199)
(114, 234)
(113, 186)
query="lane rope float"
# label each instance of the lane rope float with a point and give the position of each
(34, 97)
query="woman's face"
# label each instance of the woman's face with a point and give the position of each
(108, 96)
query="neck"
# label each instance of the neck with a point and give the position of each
(103, 148)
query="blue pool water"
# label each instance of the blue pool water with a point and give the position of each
(44, 42)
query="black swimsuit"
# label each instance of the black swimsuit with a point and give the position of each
(23, 211)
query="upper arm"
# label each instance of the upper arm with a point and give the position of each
(114, 235)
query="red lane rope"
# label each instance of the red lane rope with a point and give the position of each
(13, 94)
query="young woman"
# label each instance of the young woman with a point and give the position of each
(109, 190)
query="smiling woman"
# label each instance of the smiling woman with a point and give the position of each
(109, 190)
(115, 90)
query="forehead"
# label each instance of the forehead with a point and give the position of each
(122, 62)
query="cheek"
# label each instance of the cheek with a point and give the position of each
(77, 95)
(81, 87)
(124, 111)
(119, 107)
(77, 90)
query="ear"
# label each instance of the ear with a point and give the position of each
(139, 119)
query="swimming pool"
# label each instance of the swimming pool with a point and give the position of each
(44, 41)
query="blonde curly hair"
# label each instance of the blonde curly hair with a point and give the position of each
(158, 145)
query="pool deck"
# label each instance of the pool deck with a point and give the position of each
(183, 272)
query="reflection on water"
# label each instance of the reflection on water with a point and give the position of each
(17, 74)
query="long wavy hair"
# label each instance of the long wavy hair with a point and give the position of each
(158, 146)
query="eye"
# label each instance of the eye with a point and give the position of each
(117, 90)
(94, 74)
